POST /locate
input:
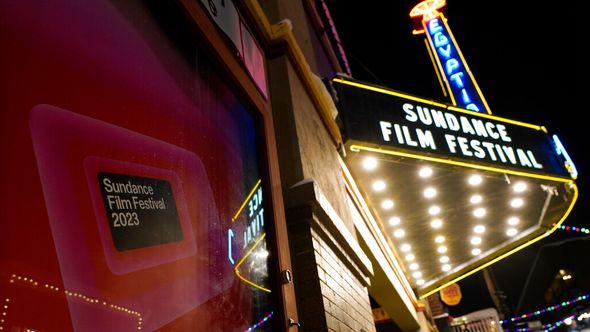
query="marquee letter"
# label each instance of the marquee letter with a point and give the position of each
(457, 79)
(425, 138)
(465, 97)
(451, 143)
(410, 114)
(452, 122)
(445, 51)
(472, 107)
(451, 65)
(503, 134)
(433, 26)
(385, 130)
(440, 40)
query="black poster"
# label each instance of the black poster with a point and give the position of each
(141, 211)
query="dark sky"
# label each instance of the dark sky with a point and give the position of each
(529, 60)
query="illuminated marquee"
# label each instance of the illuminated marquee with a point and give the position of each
(458, 79)
(454, 190)
(401, 122)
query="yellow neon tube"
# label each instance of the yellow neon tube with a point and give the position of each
(497, 118)
(459, 163)
(448, 107)
(440, 67)
(483, 99)
(239, 275)
(499, 258)
(246, 201)
(389, 92)
(440, 81)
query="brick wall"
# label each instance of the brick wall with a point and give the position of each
(331, 289)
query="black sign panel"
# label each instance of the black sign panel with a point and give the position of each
(141, 211)
(395, 122)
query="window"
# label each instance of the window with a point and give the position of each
(131, 189)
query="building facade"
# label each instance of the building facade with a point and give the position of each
(184, 165)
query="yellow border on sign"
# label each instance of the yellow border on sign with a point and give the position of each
(522, 246)
(483, 99)
(389, 92)
(237, 272)
(438, 74)
(246, 200)
(356, 147)
(448, 107)
(439, 63)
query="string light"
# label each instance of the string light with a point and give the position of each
(550, 326)
(260, 322)
(547, 309)
(573, 229)
(4, 313)
(15, 278)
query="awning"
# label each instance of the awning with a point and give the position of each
(454, 190)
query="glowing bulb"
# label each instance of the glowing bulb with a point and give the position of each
(410, 257)
(434, 210)
(420, 282)
(475, 199)
(425, 172)
(394, 221)
(475, 240)
(436, 223)
(479, 229)
(475, 251)
(370, 163)
(405, 247)
(516, 202)
(519, 187)
(387, 204)
(414, 266)
(439, 239)
(568, 321)
(417, 274)
(511, 231)
(475, 180)
(479, 212)
(513, 221)
(429, 192)
(262, 254)
(446, 267)
(399, 233)
(442, 249)
(379, 185)
(444, 259)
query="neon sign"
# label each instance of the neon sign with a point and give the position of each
(569, 163)
(459, 81)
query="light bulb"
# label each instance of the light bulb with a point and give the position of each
(369, 163)
(425, 172)
(475, 180)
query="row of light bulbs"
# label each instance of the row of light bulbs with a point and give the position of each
(474, 180)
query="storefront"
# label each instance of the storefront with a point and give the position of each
(139, 161)
(181, 165)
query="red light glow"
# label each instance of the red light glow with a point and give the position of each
(428, 9)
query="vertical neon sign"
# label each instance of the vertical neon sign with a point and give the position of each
(459, 81)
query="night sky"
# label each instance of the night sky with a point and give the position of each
(529, 60)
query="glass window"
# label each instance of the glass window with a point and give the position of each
(131, 181)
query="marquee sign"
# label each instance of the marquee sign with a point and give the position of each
(390, 120)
